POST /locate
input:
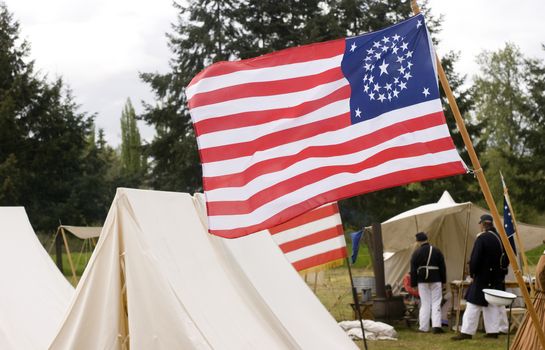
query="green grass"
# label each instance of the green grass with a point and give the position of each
(334, 293)
(80, 262)
(534, 254)
(409, 339)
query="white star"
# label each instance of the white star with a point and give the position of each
(358, 113)
(353, 47)
(404, 46)
(395, 49)
(367, 58)
(376, 43)
(377, 55)
(396, 80)
(381, 97)
(400, 59)
(383, 67)
(389, 96)
(396, 93)
(365, 77)
(366, 88)
(402, 86)
(409, 54)
(388, 86)
(376, 87)
(396, 37)
(409, 64)
(426, 92)
(371, 79)
(370, 51)
(385, 40)
(368, 66)
(401, 70)
(384, 48)
(407, 75)
(372, 96)
(418, 24)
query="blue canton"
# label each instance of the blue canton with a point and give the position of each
(389, 69)
(508, 224)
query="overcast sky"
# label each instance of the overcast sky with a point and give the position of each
(99, 46)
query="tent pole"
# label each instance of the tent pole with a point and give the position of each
(479, 173)
(124, 310)
(69, 255)
(461, 289)
(356, 303)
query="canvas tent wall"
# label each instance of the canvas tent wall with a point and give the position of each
(158, 280)
(447, 224)
(34, 295)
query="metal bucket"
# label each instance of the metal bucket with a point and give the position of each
(366, 295)
(365, 282)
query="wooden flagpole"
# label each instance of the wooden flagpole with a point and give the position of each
(521, 249)
(479, 173)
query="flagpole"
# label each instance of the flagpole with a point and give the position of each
(479, 173)
(356, 303)
(525, 267)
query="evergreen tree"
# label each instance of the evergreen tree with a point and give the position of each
(269, 25)
(204, 34)
(133, 163)
(17, 86)
(42, 136)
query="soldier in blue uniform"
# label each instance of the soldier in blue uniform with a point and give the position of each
(487, 268)
(428, 271)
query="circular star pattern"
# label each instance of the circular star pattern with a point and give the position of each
(387, 69)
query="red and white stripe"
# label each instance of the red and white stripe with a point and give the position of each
(312, 239)
(276, 140)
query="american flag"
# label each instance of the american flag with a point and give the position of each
(312, 239)
(286, 132)
(508, 223)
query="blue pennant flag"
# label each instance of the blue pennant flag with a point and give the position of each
(508, 224)
(356, 237)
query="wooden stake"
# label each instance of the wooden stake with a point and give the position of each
(479, 173)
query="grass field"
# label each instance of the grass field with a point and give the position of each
(333, 290)
(410, 339)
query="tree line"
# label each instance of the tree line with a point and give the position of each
(54, 162)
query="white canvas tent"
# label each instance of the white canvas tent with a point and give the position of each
(446, 223)
(34, 295)
(158, 280)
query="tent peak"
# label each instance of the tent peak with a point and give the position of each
(446, 198)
